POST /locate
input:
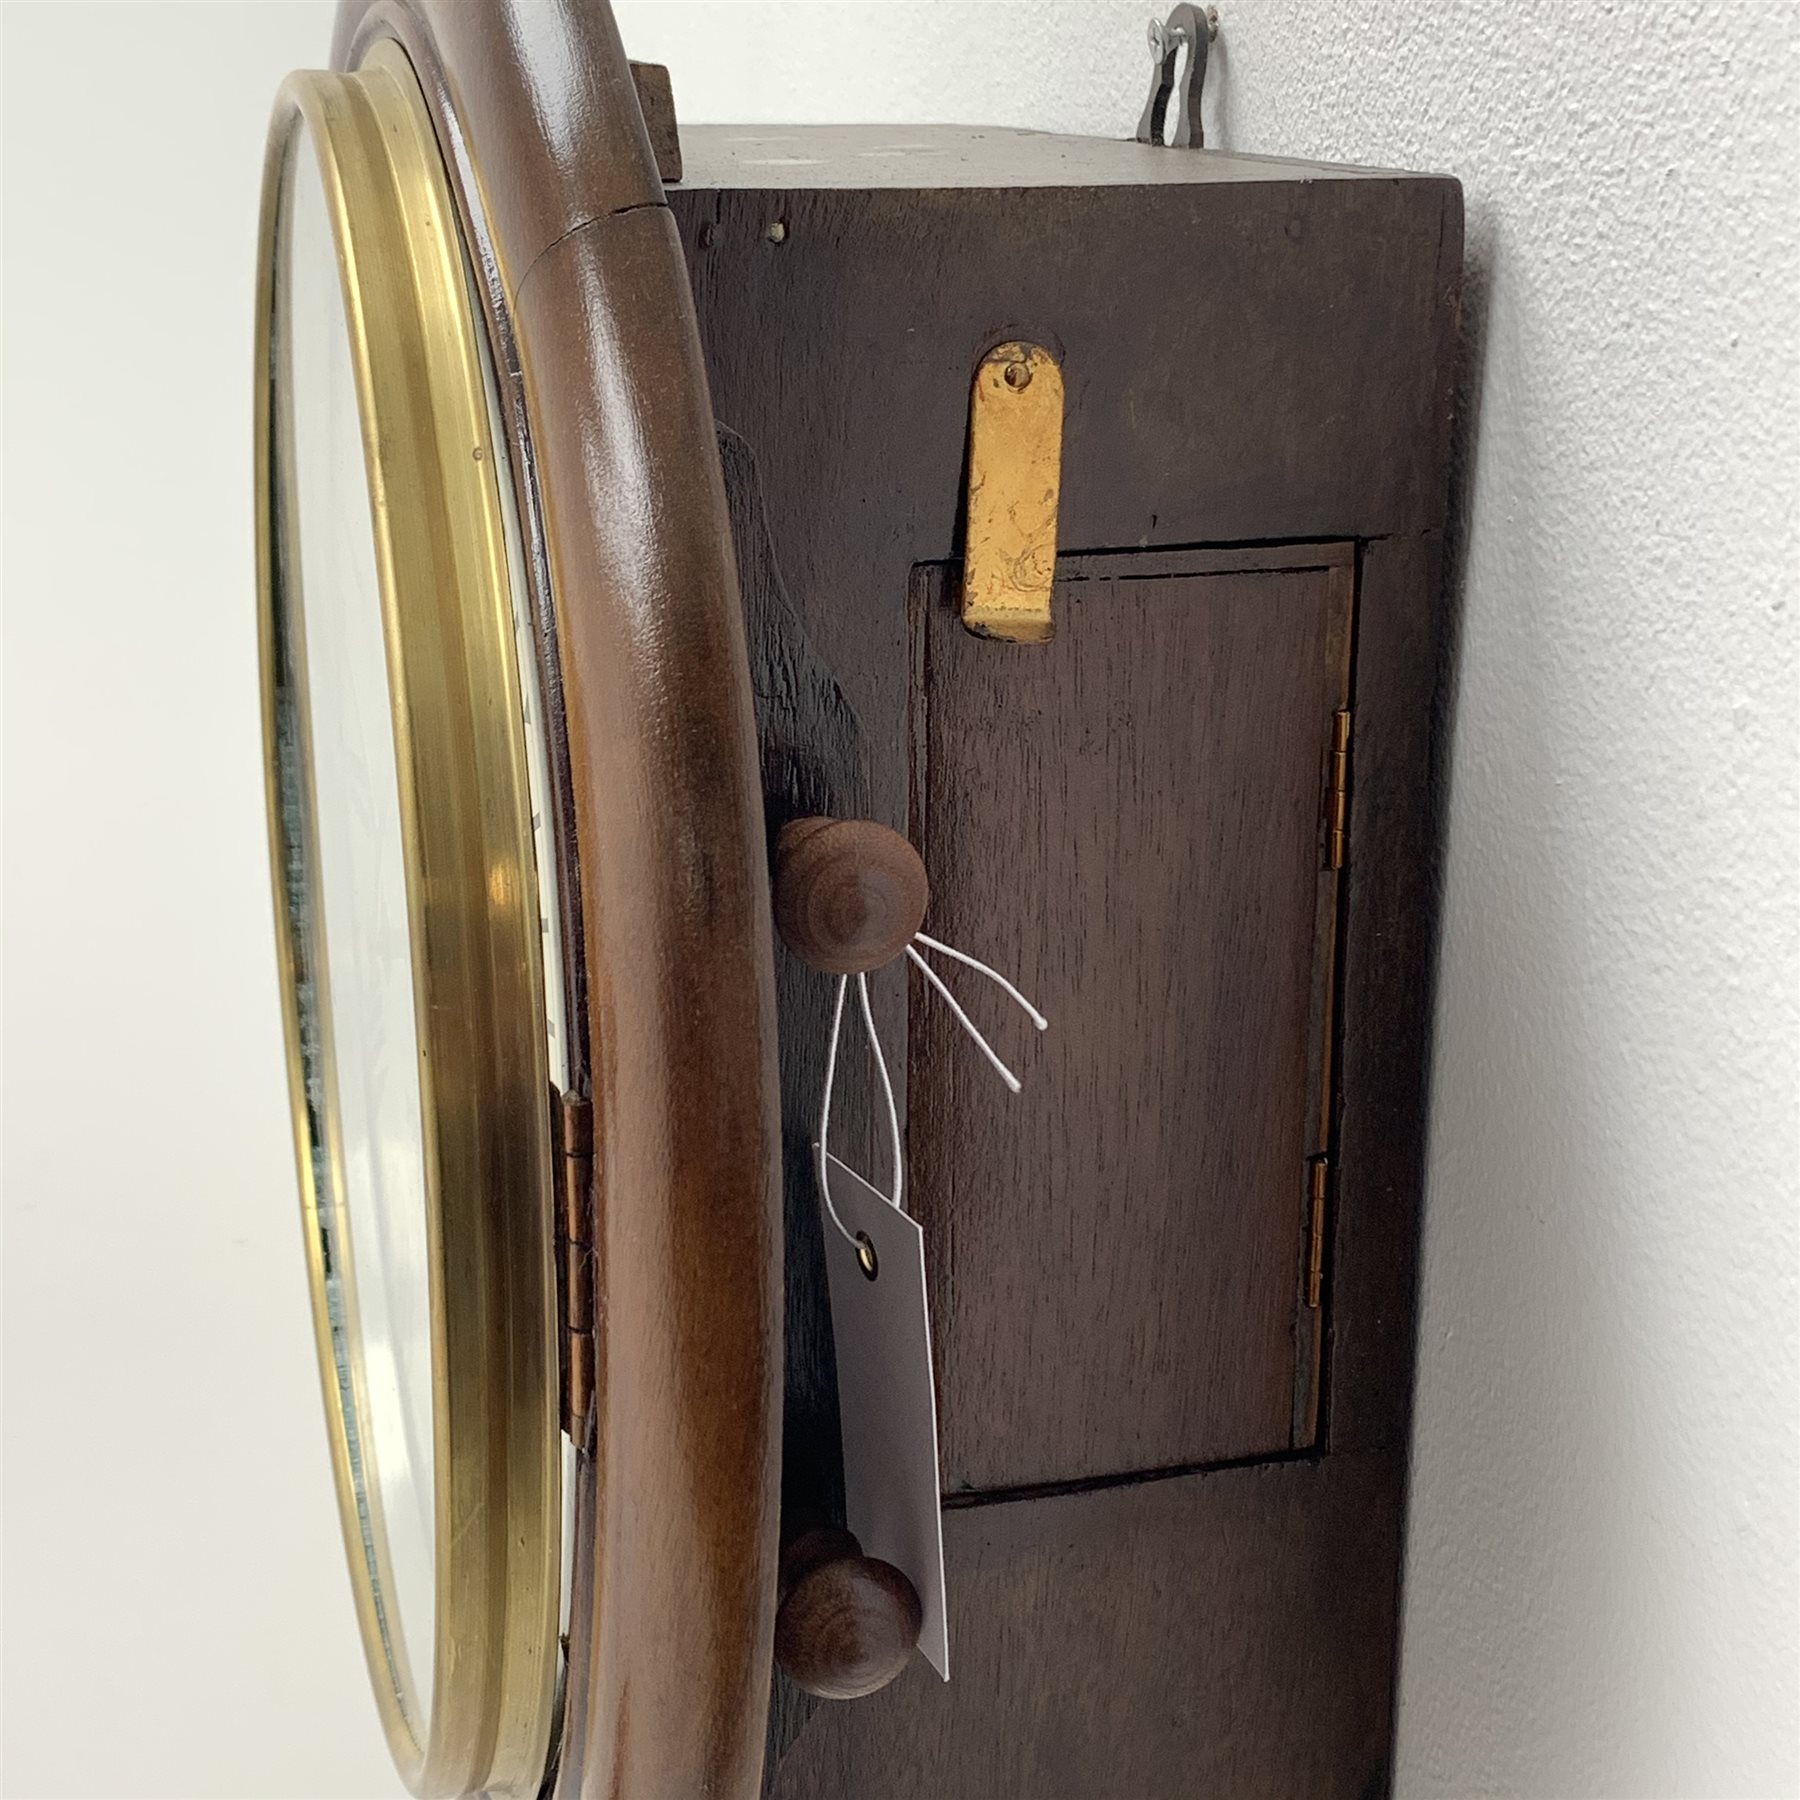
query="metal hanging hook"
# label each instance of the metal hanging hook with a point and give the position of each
(1186, 27)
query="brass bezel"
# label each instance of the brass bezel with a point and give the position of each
(478, 980)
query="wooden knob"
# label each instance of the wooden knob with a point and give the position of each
(848, 1623)
(849, 894)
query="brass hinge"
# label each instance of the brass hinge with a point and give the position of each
(1337, 792)
(1315, 1233)
(574, 1127)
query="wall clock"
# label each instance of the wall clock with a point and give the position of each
(631, 501)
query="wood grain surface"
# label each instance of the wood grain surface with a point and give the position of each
(1256, 353)
(848, 1623)
(863, 157)
(656, 100)
(1134, 812)
(850, 894)
(1404, 643)
(677, 1635)
(1221, 1636)
(1251, 353)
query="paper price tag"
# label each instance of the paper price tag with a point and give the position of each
(883, 1330)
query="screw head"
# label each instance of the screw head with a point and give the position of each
(1165, 39)
(1017, 376)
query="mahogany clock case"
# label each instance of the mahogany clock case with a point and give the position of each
(1173, 1280)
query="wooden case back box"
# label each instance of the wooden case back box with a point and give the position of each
(1172, 1279)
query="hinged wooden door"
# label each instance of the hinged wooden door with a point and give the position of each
(1143, 820)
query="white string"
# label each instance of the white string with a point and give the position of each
(887, 1088)
(994, 975)
(968, 1024)
(822, 1149)
(820, 1153)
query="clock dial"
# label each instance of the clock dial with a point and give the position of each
(350, 899)
(417, 917)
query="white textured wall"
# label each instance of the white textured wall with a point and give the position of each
(1601, 1579)
(1602, 1586)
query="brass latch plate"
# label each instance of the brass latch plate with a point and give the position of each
(1015, 483)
